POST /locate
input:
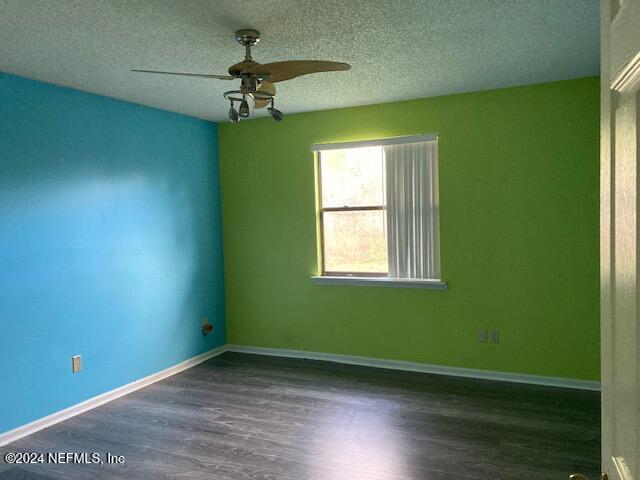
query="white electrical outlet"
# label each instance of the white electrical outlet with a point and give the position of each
(494, 336)
(76, 363)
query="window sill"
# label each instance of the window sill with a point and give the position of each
(380, 282)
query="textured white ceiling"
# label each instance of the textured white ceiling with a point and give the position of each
(398, 49)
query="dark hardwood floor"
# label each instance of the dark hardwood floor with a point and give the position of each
(246, 417)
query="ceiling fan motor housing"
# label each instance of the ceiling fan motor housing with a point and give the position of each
(249, 84)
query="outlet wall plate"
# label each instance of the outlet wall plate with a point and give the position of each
(483, 336)
(76, 363)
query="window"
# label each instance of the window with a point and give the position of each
(378, 209)
(353, 211)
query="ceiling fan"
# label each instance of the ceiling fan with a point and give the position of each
(258, 80)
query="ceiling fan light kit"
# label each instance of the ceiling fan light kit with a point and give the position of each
(257, 81)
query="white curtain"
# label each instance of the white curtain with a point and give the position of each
(412, 210)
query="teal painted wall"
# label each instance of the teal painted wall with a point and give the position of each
(110, 244)
(519, 234)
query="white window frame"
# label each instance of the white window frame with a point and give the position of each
(365, 279)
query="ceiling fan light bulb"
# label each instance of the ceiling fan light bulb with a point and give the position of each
(244, 108)
(276, 114)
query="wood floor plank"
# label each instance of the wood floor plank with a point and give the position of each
(248, 417)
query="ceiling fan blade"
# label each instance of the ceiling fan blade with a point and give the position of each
(235, 70)
(265, 87)
(280, 71)
(201, 75)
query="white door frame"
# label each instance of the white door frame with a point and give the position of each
(619, 234)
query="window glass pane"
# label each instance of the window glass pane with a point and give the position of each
(352, 177)
(355, 241)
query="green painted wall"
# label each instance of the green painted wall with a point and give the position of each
(519, 234)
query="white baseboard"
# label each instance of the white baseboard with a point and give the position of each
(29, 428)
(422, 367)
(41, 424)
